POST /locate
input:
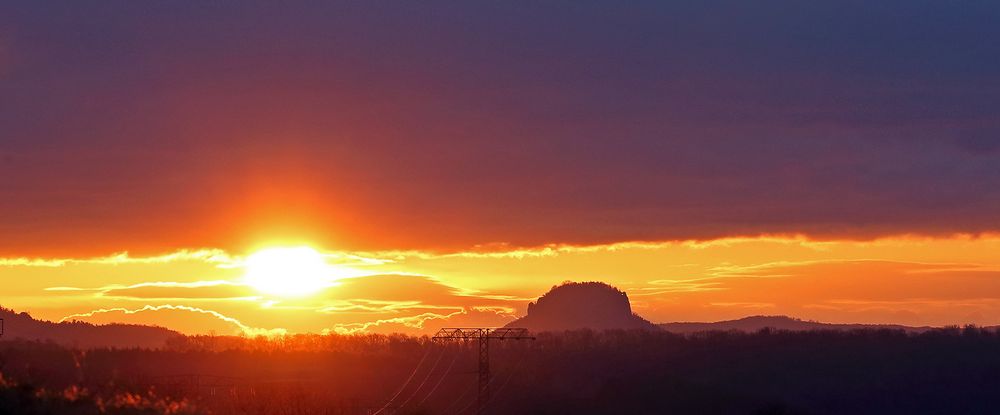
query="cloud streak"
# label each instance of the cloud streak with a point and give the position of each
(243, 328)
(413, 322)
(213, 256)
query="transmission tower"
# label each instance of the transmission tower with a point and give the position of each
(483, 336)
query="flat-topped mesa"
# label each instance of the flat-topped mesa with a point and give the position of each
(578, 305)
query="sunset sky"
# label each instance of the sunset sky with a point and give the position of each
(258, 167)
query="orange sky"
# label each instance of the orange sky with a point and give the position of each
(452, 162)
(905, 280)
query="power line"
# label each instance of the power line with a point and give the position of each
(440, 379)
(516, 367)
(406, 383)
(484, 336)
(459, 398)
(423, 382)
(493, 378)
(510, 374)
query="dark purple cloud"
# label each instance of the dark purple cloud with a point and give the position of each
(149, 126)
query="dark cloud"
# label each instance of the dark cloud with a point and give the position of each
(151, 126)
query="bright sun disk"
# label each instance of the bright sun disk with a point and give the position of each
(287, 272)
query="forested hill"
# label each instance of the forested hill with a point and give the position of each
(82, 335)
(755, 323)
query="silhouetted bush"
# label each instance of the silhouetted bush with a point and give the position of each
(26, 399)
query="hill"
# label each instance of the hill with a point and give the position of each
(755, 323)
(577, 305)
(83, 335)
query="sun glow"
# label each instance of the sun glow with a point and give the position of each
(288, 272)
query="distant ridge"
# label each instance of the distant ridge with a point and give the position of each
(755, 323)
(578, 305)
(83, 335)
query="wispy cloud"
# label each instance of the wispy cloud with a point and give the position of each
(506, 251)
(377, 306)
(416, 322)
(214, 256)
(246, 329)
(202, 290)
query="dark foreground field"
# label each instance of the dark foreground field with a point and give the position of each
(581, 372)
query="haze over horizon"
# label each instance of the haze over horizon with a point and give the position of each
(262, 168)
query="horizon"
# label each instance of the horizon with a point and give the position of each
(708, 325)
(417, 292)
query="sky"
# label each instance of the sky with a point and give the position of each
(452, 161)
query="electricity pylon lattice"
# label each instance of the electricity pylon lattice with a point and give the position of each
(483, 336)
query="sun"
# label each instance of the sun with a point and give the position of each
(287, 272)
